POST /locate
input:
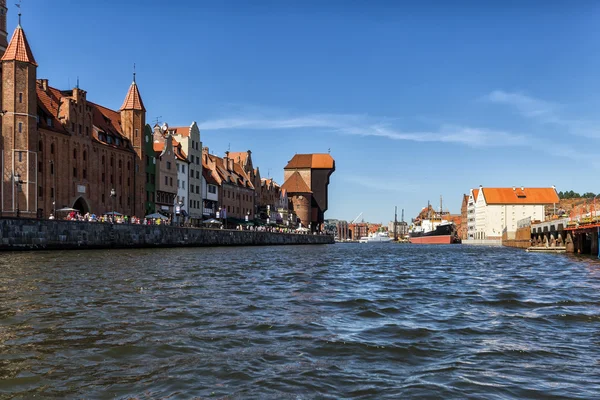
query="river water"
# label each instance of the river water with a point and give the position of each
(358, 321)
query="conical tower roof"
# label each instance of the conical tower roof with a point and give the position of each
(18, 49)
(133, 100)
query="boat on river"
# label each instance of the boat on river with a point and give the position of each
(377, 237)
(431, 227)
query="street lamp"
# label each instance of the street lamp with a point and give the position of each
(247, 215)
(113, 194)
(53, 172)
(18, 183)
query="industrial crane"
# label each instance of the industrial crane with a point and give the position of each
(356, 219)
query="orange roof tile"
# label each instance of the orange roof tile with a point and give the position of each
(518, 196)
(311, 161)
(475, 194)
(239, 156)
(133, 100)
(181, 130)
(49, 102)
(18, 49)
(295, 184)
(158, 146)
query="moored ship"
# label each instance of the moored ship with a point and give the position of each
(433, 228)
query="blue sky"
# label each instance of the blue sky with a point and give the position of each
(414, 100)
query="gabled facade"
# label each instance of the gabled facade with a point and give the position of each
(59, 149)
(210, 189)
(189, 138)
(150, 167)
(236, 191)
(182, 165)
(166, 172)
(498, 210)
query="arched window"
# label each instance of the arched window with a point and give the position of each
(84, 155)
(40, 146)
(128, 166)
(75, 154)
(51, 148)
(120, 164)
(102, 160)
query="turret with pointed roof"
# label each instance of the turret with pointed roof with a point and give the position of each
(133, 122)
(20, 135)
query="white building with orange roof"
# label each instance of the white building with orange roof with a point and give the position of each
(498, 210)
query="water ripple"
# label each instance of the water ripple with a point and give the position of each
(300, 322)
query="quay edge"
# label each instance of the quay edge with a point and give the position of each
(28, 234)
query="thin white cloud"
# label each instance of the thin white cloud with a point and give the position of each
(260, 118)
(526, 105)
(544, 112)
(363, 125)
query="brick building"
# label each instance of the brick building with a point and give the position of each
(236, 191)
(306, 179)
(61, 150)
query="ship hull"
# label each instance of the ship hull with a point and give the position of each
(443, 234)
(442, 239)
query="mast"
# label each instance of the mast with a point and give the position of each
(396, 223)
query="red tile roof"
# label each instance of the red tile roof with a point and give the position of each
(321, 161)
(295, 184)
(520, 196)
(18, 49)
(158, 147)
(180, 130)
(475, 194)
(239, 156)
(133, 100)
(49, 102)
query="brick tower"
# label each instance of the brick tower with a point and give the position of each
(19, 127)
(133, 121)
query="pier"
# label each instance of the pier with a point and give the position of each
(574, 234)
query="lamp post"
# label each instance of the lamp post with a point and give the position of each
(247, 215)
(113, 194)
(53, 172)
(220, 216)
(18, 183)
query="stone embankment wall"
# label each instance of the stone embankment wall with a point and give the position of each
(522, 238)
(28, 234)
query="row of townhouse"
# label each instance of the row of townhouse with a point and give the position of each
(59, 152)
(493, 214)
(184, 180)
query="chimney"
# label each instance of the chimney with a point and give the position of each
(523, 188)
(514, 188)
(43, 83)
(205, 150)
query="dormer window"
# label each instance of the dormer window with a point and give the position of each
(109, 139)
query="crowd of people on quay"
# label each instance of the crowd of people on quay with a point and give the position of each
(162, 220)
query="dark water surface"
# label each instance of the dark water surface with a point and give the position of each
(300, 322)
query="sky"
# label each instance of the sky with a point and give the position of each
(414, 100)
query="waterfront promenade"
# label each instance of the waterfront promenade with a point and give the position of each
(30, 234)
